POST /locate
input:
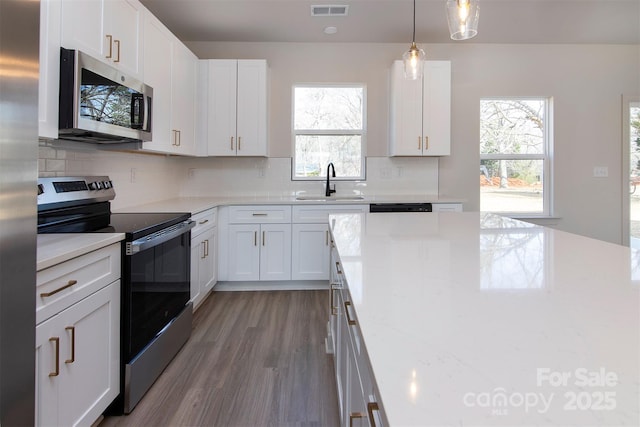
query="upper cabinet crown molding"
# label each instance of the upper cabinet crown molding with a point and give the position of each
(420, 122)
(235, 116)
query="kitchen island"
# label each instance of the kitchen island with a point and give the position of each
(476, 319)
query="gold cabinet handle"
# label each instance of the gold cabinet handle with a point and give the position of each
(350, 321)
(174, 137)
(179, 133)
(203, 221)
(263, 237)
(338, 268)
(117, 42)
(73, 344)
(355, 415)
(110, 38)
(326, 238)
(56, 341)
(426, 142)
(332, 288)
(239, 143)
(259, 214)
(372, 406)
(206, 254)
(255, 238)
(204, 250)
(231, 146)
(62, 288)
(419, 143)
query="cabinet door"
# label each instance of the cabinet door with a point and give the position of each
(83, 27)
(49, 83)
(436, 119)
(49, 339)
(275, 252)
(91, 361)
(222, 107)
(207, 261)
(342, 357)
(252, 108)
(310, 252)
(406, 114)
(244, 252)
(183, 98)
(157, 66)
(123, 22)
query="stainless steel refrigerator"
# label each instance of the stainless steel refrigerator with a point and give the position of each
(19, 35)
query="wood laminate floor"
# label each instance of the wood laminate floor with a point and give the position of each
(253, 359)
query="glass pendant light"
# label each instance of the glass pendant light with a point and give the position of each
(463, 16)
(414, 57)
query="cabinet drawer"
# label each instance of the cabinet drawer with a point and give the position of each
(64, 284)
(204, 221)
(320, 213)
(259, 214)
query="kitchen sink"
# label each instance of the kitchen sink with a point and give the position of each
(328, 199)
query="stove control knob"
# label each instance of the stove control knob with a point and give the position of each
(107, 184)
(95, 185)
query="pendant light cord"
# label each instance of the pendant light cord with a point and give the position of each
(414, 22)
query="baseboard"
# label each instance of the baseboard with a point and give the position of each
(290, 285)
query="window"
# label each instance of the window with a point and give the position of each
(515, 156)
(328, 127)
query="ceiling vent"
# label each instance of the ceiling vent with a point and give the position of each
(329, 10)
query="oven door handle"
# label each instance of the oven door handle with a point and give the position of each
(159, 238)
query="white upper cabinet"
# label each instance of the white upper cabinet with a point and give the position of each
(109, 30)
(170, 69)
(421, 111)
(236, 116)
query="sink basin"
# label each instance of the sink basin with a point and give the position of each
(328, 199)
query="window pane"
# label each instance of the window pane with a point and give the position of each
(322, 108)
(315, 152)
(512, 126)
(511, 186)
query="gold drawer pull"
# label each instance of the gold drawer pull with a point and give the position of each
(56, 341)
(419, 143)
(333, 288)
(239, 143)
(118, 57)
(73, 344)
(68, 285)
(255, 238)
(259, 214)
(110, 38)
(346, 310)
(372, 406)
(204, 221)
(355, 415)
(263, 237)
(426, 142)
(231, 146)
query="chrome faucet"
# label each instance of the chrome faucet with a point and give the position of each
(329, 190)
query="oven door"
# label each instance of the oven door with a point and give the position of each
(157, 285)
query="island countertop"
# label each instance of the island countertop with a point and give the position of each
(477, 319)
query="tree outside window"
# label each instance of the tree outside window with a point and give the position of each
(514, 155)
(328, 127)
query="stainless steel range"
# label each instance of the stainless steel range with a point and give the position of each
(156, 312)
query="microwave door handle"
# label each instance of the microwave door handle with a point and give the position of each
(137, 113)
(146, 114)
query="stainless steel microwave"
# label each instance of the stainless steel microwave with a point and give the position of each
(100, 104)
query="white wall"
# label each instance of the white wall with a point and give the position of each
(585, 81)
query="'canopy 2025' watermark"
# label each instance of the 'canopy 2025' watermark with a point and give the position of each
(581, 389)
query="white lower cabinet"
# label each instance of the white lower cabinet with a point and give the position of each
(310, 239)
(357, 399)
(77, 360)
(204, 255)
(259, 252)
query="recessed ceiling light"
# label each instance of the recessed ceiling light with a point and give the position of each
(330, 30)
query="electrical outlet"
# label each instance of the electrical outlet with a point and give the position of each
(600, 171)
(134, 172)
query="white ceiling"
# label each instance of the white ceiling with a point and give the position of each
(390, 21)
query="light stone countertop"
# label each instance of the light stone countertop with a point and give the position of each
(56, 248)
(477, 319)
(199, 204)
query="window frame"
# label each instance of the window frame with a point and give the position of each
(546, 157)
(329, 132)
